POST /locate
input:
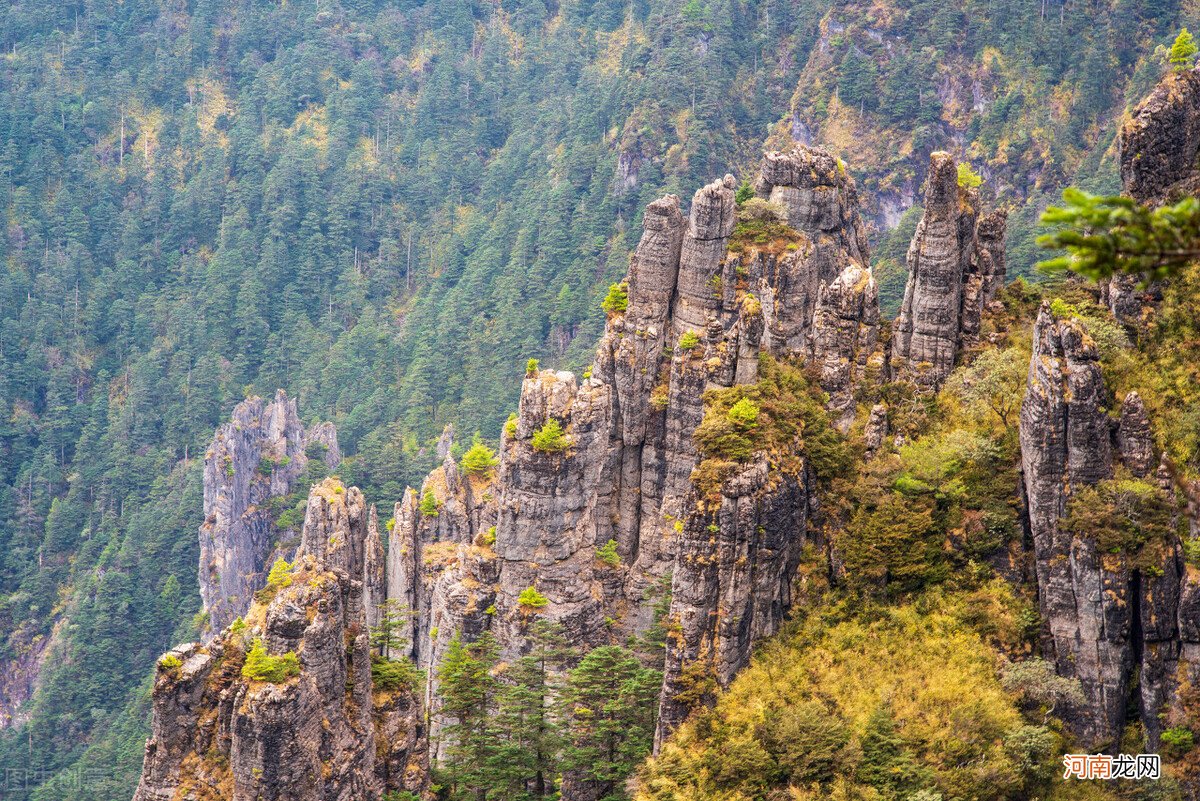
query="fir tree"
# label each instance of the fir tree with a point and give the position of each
(1183, 51)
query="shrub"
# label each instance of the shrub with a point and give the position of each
(170, 662)
(1191, 551)
(759, 210)
(1177, 740)
(550, 437)
(429, 504)
(689, 340)
(393, 674)
(617, 299)
(788, 407)
(967, 177)
(261, 666)
(607, 553)
(1036, 681)
(530, 598)
(1183, 51)
(479, 460)
(1122, 514)
(280, 575)
(531, 367)
(510, 425)
(744, 192)
(744, 413)
(292, 518)
(489, 537)
(1061, 309)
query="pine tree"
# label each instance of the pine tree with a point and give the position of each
(1183, 51)
(610, 704)
(468, 688)
(530, 753)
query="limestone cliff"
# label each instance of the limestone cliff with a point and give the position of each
(233, 722)
(1160, 142)
(1083, 593)
(701, 304)
(955, 266)
(261, 453)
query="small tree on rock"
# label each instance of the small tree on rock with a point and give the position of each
(1183, 52)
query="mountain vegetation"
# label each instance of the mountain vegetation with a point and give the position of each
(388, 207)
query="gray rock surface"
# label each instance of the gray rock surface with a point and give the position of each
(217, 733)
(259, 454)
(955, 266)
(1084, 594)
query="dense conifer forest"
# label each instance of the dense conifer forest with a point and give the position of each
(388, 207)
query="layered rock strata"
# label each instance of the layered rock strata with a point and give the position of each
(955, 267)
(317, 733)
(702, 308)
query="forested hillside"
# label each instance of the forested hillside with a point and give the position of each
(386, 208)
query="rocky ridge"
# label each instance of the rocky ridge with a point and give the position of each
(261, 453)
(707, 544)
(1127, 613)
(955, 266)
(318, 731)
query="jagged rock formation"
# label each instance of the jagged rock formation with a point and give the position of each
(699, 315)
(955, 266)
(1084, 597)
(1107, 614)
(321, 734)
(1159, 146)
(1160, 141)
(259, 454)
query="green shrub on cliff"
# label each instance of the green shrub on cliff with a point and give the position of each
(617, 299)
(1183, 51)
(530, 598)
(551, 438)
(261, 666)
(479, 460)
(429, 504)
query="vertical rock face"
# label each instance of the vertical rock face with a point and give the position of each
(1159, 145)
(1160, 141)
(955, 266)
(259, 454)
(464, 548)
(219, 732)
(819, 197)
(699, 316)
(1084, 595)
